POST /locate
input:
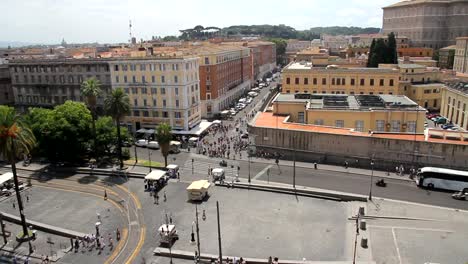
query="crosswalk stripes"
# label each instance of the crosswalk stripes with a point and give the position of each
(202, 167)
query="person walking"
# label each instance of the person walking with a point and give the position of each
(105, 195)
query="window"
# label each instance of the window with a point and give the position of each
(117, 79)
(125, 79)
(371, 82)
(124, 67)
(155, 102)
(176, 79)
(153, 79)
(116, 67)
(352, 81)
(435, 103)
(300, 117)
(134, 90)
(208, 96)
(381, 82)
(136, 113)
(362, 81)
(359, 125)
(343, 81)
(155, 114)
(145, 102)
(177, 115)
(144, 90)
(145, 113)
(411, 126)
(391, 83)
(380, 125)
(296, 81)
(427, 91)
(177, 103)
(339, 123)
(318, 122)
(306, 80)
(324, 81)
(143, 79)
(134, 79)
(395, 126)
(164, 103)
(207, 60)
(333, 81)
(163, 79)
(142, 67)
(163, 90)
(135, 102)
(176, 91)
(288, 80)
(338, 81)
(165, 114)
(315, 81)
(126, 90)
(208, 88)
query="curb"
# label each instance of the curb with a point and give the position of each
(303, 191)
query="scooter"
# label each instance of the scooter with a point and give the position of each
(381, 183)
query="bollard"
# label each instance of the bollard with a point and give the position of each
(361, 211)
(364, 242)
(363, 225)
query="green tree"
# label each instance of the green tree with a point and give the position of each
(117, 104)
(280, 50)
(15, 139)
(391, 54)
(164, 137)
(371, 53)
(91, 88)
(106, 136)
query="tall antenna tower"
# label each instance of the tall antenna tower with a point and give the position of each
(130, 31)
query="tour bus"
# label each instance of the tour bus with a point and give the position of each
(440, 178)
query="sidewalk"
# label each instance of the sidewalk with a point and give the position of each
(377, 173)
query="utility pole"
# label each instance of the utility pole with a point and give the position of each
(17, 191)
(5, 241)
(294, 162)
(372, 176)
(198, 230)
(219, 233)
(134, 145)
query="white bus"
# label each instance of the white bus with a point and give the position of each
(440, 178)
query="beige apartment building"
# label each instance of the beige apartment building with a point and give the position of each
(454, 103)
(379, 113)
(161, 89)
(427, 23)
(460, 63)
(302, 77)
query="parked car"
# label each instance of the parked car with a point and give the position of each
(255, 90)
(142, 143)
(153, 145)
(6, 192)
(252, 94)
(447, 126)
(249, 100)
(441, 120)
(454, 128)
(430, 116)
(461, 195)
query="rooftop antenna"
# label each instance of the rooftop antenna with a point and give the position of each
(130, 31)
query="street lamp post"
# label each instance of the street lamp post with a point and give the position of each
(149, 156)
(135, 146)
(294, 162)
(371, 181)
(197, 229)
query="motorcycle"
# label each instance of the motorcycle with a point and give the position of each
(381, 183)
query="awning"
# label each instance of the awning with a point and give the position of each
(150, 131)
(172, 167)
(155, 175)
(141, 130)
(6, 177)
(199, 185)
(218, 171)
(196, 131)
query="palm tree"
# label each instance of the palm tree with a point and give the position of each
(91, 88)
(164, 137)
(15, 139)
(117, 104)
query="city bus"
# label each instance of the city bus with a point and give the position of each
(440, 178)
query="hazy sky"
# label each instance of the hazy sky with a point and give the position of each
(104, 21)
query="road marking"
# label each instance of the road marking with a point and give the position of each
(414, 228)
(262, 172)
(138, 247)
(92, 194)
(135, 199)
(116, 251)
(94, 187)
(396, 244)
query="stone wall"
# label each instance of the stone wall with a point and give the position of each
(335, 149)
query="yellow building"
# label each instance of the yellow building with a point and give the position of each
(161, 89)
(302, 77)
(454, 103)
(379, 113)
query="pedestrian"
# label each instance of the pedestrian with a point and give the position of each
(46, 259)
(27, 198)
(77, 244)
(157, 198)
(14, 205)
(270, 260)
(315, 165)
(178, 175)
(105, 195)
(165, 197)
(117, 233)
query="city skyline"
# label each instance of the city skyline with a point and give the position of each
(107, 21)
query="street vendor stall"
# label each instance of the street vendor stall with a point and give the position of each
(198, 190)
(167, 234)
(172, 170)
(155, 179)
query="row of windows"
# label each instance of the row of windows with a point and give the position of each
(334, 92)
(57, 79)
(143, 79)
(452, 101)
(69, 68)
(162, 90)
(163, 114)
(152, 67)
(339, 81)
(155, 103)
(380, 125)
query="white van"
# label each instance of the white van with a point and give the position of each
(153, 145)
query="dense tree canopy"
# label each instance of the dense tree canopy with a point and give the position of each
(382, 51)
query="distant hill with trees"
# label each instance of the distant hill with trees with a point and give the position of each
(272, 31)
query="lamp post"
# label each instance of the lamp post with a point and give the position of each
(192, 235)
(149, 156)
(135, 146)
(197, 229)
(294, 162)
(371, 181)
